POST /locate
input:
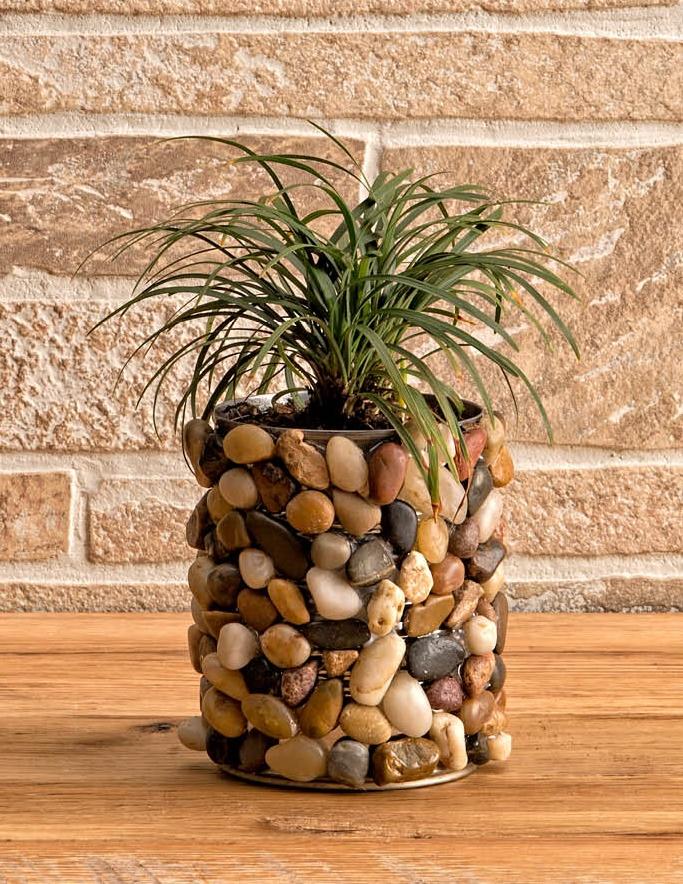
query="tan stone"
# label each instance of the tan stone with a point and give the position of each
(321, 712)
(34, 515)
(338, 662)
(289, 600)
(223, 713)
(367, 724)
(229, 681)
(428, 615)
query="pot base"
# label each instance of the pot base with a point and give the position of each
(447, 776)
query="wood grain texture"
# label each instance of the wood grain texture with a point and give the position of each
(95, 787)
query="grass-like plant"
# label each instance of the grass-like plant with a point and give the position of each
(273, 303)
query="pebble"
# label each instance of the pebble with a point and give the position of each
(310, 512)
(300, 759)
(488, 515)
(499, 746)
(195, 434)
(406, 706)
(213, 462)
(476, 672)
(282, 546)
(432, 539)
(192, 733)
(334, 597)
(231, 531)
(228, 681)
(220, 749)
(367, 724)
(238, 488)
(448, 575)
(429, 615)
(337, 635)
(330, 551)
(452, 498)
(199, 645)
(386, 472)
(502, 469)
(486, 609)
(223, 583)
(338, 662)
(198, 525)
(198, 616)
(494, 584)
(495, 436)
(223, 713)
(475, 440)
(415, 577)
(371, 562)
(498, 676)
(482, 566)
(216, 504)
(476, 710)
(256, 609)
(496, 723)
(355, 515)
(237, 645)
(256, 568)
(501, 607)
(466, 601)
(270, 716)
(478, 749)
(399, 526)
(414, 489)
(346, 464)
(252, 752)
(289, 601)
(348, 763)
(463, 540)
(298, 683)
(197, 575)
(274, 485)
(204, 684)
(400, 761)
(321, 712)
(304, 461)
(448, 733)
(434, 656)
(374, 669)
(285, 646)
(446, 693)
(385, 607)
(480, 635)
(479, 487)
(248, 443)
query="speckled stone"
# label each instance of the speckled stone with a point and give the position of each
(399, 761)
(338, 662)
(463, 539)
(279, 542)
(399, 526)
(298, 683)
(446, 693)
(305, 463)
(337, 635)
(476, 672)
(433, 656)
(482, 565)
(348, 763)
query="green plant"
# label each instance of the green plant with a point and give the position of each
(275, 303)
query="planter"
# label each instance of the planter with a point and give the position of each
(346, 638)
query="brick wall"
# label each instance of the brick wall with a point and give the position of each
(575, 102)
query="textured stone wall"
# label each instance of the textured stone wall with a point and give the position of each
(578, 103)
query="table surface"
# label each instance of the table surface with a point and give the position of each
(95, 786)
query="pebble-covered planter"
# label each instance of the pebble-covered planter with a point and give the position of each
(346, 637)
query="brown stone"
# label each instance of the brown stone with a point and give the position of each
(304, 461)
(399, 761)
(466, 600)
(338, 662)
(274, 486)
(298, 683)
(198, 525)
(475, 440)
(228, 681)
(34, 515)
(284, 646)
(222, 584)
(289, 601)
(248, 443)
(445, 693)
(463, 539)
(486, 609)
(280, 543)
(320, 714)
(448, 575)
(216, 504)
(387, 470)
(367, 724)
(476, 672)
(483, 564)
(256, 609)
(223, 713)
(216, 620)
(310, 512)
(501, 608)
(232, 532)
(476, 710)
(195, 434)
(356, 515)
(502, 469)
(428, 616)
(269, 715)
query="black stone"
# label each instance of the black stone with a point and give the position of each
(252, 752)
(463, 539)
(223, 583)
(337, 635)
(479, 487)
(370, 563)
(213, 462)
(261, 677)
(477, 749)
(482, 565)
(434, 656)
(286, 550)
(501, 607)
(198, 525)
(399, 526)
(220, 749)
(498, 676)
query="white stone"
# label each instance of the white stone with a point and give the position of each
(452, 495)
(488, 515)
(373, 671)
(415, 577)
(481, 635)
(334, 597)
(406, 705)
(256, 568)
(414, 490)
(330, 551)
(500, 746)
(494, 584)
(346, 464)
(385, 607)
(448, 732)
(237, 645)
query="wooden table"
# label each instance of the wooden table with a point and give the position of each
(95, 786)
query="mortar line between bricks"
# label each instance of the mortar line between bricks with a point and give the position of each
(640, 23)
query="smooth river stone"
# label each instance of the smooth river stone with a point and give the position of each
(501, 607)
(197, 576)
(502, 469)
(192, 733)
(270, 716)
(213, 462)
(289, 601)
(475, 440)
(476, 672)
(321, 712)
(237, 645)
(198, 616)
(500, 746)
(494, 584)
(198, 525)
(248, 443)
(284, 646)
(400, 761)
(195, 434)
(231, 532)
(488, 515)
(199, 645)
(346, 464)
(223, 713)
(423, 446)
(304, 461)
(486, 609)
(298, 683)
(406, 706)
(475, 711)
(300, 759)
(220, 749)
(432, 539)
(385, 607)
(330, 551)
(452, 497)
(256, 568)
(482, 565)
(223, 583)
(371, 562)
(216, 504)
(252, 753)
(466, 601)
(280, 543)
(367, 724)
(414, 489)
(204, 684)
(415, 577)
(495, 436)
(228, 681)
(498, 675)
(479, 488)
(386, 472)
(256, 609)
(434, 656)
(348, 763)
(399, 526)
(448, 733)
(355, 515)
(334, 597)
(238, 488)
(428, 615)
(337, 635)
(448, 575)
(446, 693)
(274, 485)
(480, 635)
(310, 512)
(463, 539)
(338, 662)
(374, 669)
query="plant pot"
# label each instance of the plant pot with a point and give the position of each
(347, 638)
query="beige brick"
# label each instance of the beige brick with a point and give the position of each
(73, 194)
(595, 512)
(368, 75)
(85, 597)
(134, 521)
(292, 8)
(613, 214)
(34, 516)
(606, 594)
